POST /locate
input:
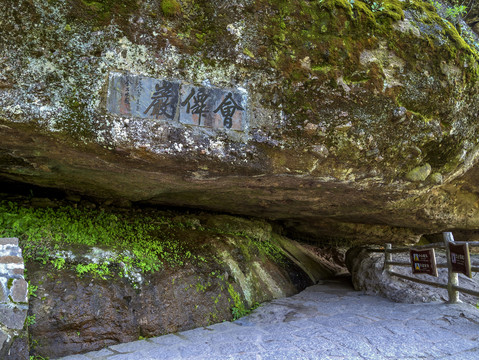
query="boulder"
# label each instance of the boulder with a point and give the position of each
(327, 116)
(368, 275)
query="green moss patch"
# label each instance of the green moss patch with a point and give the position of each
(147, 240)
(100, 12)
(170, 8)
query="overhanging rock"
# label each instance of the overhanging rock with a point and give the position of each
(304, 112)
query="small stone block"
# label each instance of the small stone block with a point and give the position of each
(9, 241)
(19, 291)
(18, 271)
(3, 294)
(11, 260)
(13, 318)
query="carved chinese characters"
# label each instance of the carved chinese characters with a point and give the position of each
(148, 98)
(196, 106)
(163, 101)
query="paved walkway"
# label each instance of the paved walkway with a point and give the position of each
(328, 321)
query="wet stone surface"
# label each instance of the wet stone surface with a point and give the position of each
(326, 321)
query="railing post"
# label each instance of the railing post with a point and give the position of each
(387, 257)
(452, 278)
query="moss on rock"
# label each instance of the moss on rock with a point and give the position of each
(419, 173)
(170, 8)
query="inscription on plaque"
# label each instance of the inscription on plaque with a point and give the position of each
(423, 262)
(149, 98)
(460, 259)
(163, 101)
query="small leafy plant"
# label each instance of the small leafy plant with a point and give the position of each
(58, 263)
(30, 320)
(32, 290)
(238, 310)
(377, 6)
(455, 13)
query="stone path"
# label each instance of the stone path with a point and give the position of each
(328, 321)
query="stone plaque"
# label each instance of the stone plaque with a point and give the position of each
(196, 106)
(423, 262)
(142, 97)
(172, 101)
(460, 259)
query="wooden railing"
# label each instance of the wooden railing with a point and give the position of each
(452, 285)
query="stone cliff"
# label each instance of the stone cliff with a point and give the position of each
(341, 120)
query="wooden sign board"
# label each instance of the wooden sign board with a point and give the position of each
(460, 259)
(423, 262)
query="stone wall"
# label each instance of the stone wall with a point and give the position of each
(13, 302)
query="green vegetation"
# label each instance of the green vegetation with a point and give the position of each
(256, 247)
(100, 270)
(453, 13)
(102, 11)
(32, 290)
(143, 242)
(107, 243)
(238, 310)
(30, 320)
(170, 8)
(125, 242)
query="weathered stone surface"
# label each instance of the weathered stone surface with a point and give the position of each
(342, 103)
(419, 173)
(77, 314)
(472, 16)
(436, 178)
(3, 293)
(10, 260)
(13, 317)
(3, 338)
(9, 241)
(326, 321)
(19, 291)
(19, 349)
(18, 271)
(13, 299)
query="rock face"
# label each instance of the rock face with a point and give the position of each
(75, 315)
(341, 120)
(219, 276)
